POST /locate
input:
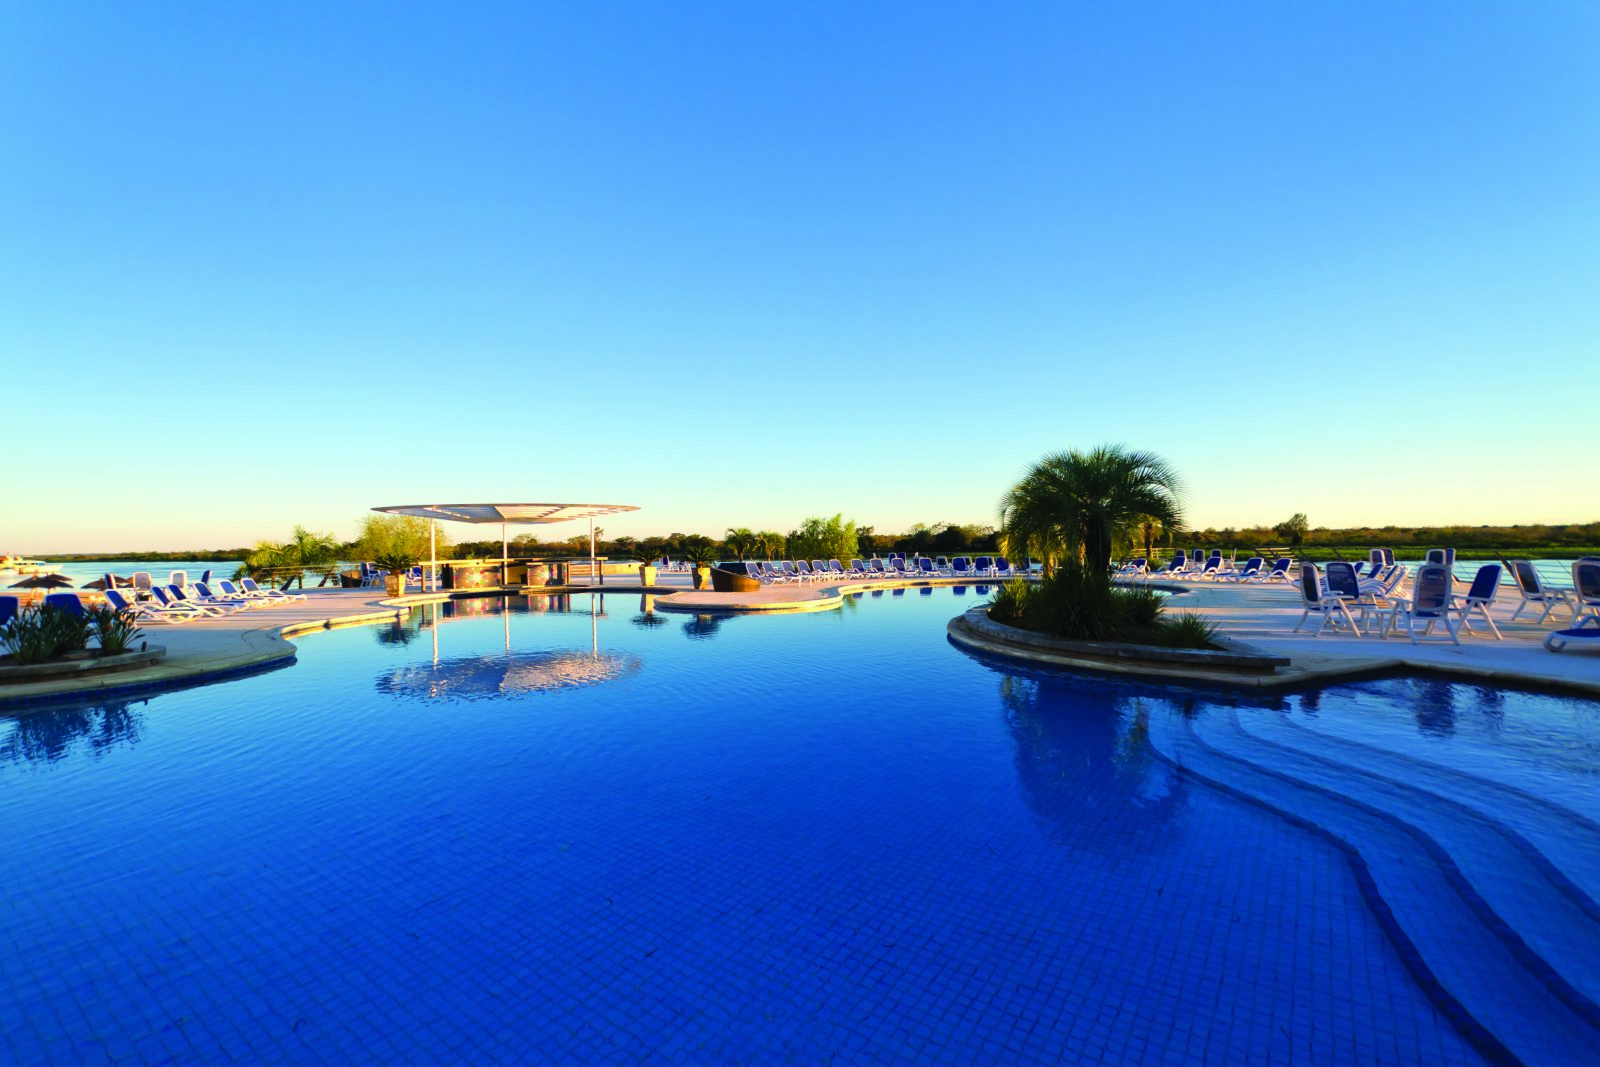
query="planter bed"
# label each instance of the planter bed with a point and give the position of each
(1231, 655)
(78, 663)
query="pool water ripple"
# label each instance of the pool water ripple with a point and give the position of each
(815, 838)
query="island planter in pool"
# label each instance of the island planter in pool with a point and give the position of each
(647, 574)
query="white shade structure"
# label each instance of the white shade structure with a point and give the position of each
(506, 515)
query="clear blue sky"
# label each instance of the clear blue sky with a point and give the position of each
(743, 263)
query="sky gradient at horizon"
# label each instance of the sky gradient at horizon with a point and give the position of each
(1340, 261)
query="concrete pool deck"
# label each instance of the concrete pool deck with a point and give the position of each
(1263, 616)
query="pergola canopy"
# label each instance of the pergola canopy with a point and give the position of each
(516, 514)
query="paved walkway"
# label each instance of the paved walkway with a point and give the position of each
(1260, 615)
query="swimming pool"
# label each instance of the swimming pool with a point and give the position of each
(580, 830)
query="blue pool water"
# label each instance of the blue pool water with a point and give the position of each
(593, 833)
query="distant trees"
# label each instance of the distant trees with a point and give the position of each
(303, 549)
(742, 541)
(819, 538)
(770, 543)
(1077, 505)
(396, 535)
(1293, 529)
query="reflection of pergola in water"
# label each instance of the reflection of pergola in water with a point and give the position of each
(506, 515)
(482, 676)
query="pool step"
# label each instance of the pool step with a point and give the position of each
(1549, 916)
(1563, 837)
(1446, 936)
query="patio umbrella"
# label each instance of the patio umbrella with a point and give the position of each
(42, 581)
(98, 583)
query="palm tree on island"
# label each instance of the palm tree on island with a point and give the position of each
(1080, 505)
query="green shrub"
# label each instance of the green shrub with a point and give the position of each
(114, 630)
(1009, 605)
(1186, 630)
(1082, 604)
(44, 633)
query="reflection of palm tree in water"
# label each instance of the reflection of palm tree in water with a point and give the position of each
(51, 733)
(1083, 759)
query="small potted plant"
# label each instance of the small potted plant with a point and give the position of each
(397, 564)
(647, 565)
(702, 556)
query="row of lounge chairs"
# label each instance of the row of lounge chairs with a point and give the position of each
(202, 600)
(817, 570)
(1212, 568)
(1341, 594)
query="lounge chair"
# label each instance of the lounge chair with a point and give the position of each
(926, 566)
(1586, 584)
(900, 568)
(1429, 603)
(67, 602)
(170, 595)
(10, 606)
(151, 611)
(142, 582)
(1319, 601)
(1485, 584)
(836, 569)
(1586, 628)
(858, 569)
(960, 567)
(1250, 571)
(803, 569)
(1535, 592)
(877, 568)
(1445, 556)
(1209, 569)
(226, 590)
(249, 585)
(1279, 571)
(208, 595)
(1002, 568)
(178, 578)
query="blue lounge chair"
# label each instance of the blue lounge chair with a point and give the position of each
(1586, 584)
(1430, 604)
(925, 565)
(1485, 584)
(249, 585)
(1585, 629)
(150, 611)
(1280, 570)
(1249, 572)
(207, 595)
(960, 567)
(1002, 568)
(9, 607)
(170, 595)
(67, 602)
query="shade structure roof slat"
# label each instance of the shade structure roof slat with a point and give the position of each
(515, 514)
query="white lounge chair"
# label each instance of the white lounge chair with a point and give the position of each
(1431, 590)
(1536, 594)
(1318, 601)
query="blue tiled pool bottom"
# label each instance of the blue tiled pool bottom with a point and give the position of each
(811, 839)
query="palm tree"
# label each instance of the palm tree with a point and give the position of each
(741, 540)
(1078, 504)
(770, 542)
(1150, 527)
